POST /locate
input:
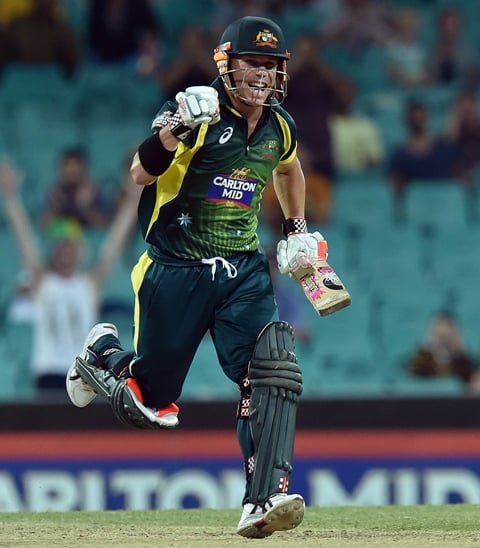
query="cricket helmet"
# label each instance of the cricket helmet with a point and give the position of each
(252, 35)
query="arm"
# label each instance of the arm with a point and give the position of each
(118, 234)
(197, 105)
(19, 221)
(167, 141)
(289, 184)
(300, 246)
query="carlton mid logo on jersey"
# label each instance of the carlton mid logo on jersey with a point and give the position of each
(234, 189)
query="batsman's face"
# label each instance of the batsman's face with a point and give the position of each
(253, 78)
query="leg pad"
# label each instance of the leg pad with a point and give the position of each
(276, 381)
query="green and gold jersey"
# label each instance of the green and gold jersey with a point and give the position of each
(207, 202)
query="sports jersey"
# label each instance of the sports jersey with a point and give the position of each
(206, 204)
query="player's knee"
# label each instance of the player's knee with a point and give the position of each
(274, 363)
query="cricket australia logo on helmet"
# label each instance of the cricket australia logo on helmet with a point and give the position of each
(266, 38)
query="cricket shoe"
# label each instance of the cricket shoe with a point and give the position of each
(280, 512)
(164, 417)
(80, 393)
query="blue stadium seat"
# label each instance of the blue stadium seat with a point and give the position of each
(16, 370)
(363, 200)
(111, 142)
(39, 83)
(405, 384)
(436, 203)
(38, 135)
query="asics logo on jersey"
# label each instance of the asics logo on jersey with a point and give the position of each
(226, 135)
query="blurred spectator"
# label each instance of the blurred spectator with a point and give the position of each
(312, 89)
(359, 24)
(42, 35)
(463, 129)
(443, 352)
(423, 155)
(406, 52)
(124, 31)
(356, 140)
(74, 194)
(66, 298)
(192, 64)
(453, 59)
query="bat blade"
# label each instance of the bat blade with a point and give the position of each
(322, 287)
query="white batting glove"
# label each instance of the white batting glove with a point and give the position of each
(198, 105)
(299, 250)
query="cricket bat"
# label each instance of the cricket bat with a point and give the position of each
(322, 287)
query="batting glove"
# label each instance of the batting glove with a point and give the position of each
(299, 250)
(198, 105)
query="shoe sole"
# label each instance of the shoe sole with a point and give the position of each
(91, 337)
(282, 517)
(72, 387)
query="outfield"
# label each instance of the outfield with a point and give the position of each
(452, 526)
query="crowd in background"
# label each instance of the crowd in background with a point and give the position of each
(406, 48)
(424, 45)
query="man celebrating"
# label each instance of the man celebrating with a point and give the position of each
(204, 169)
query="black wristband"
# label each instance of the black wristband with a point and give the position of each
(154, 157)
(294, 225)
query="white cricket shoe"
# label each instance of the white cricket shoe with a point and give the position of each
(78, 390)
(280, 512)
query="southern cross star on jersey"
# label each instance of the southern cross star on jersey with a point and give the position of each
(184, 219)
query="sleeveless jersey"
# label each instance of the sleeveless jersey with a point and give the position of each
(65, 309)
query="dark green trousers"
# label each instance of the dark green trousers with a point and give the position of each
(178, 302)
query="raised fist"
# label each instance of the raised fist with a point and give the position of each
(198, 105)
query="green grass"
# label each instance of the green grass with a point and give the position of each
(386, 526)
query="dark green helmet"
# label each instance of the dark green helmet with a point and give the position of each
(254, 35)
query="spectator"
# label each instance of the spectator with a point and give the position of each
(463, 129)
(66, 298)
(443, 352)
(125, 32)
(43, 35)
(192, 64)
(406, 52)
(74, 194)
(452, 58)
(423, 155)
(356, 141)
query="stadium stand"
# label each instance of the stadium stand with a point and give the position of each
(398, 274)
